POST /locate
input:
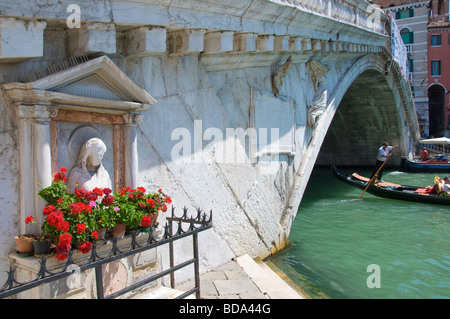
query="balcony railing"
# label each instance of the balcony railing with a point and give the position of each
(175, 229)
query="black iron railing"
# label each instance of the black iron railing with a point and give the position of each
(185, 226)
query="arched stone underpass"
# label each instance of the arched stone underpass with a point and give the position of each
(365, 118)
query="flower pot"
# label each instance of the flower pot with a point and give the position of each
(42, 247)
(118, 231)
(24, 244)
(101, 233)
(155, 218)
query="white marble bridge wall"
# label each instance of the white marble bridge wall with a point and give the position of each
(201, 61)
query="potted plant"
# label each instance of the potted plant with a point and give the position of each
(24, 243)
(41, 244)
(75, 220)
(137, 208)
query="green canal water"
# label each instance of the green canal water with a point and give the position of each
(335, 237)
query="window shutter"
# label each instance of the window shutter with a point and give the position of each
(411, 37)
(411, 12)
(397, 15)
(411, 65)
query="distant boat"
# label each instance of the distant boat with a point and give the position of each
(438, 164)
(429, 166)
(391, 190)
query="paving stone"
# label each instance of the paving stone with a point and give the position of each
(213, 275)
(228, 297)
(235, 274)
(231, 265)
(207, 288)
(239, 286)
(253, 295)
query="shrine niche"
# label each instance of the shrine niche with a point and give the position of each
(57, 114)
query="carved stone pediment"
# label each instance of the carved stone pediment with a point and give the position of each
(95, 85)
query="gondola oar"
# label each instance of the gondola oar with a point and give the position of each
(376, 174)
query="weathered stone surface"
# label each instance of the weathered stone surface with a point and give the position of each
(20, 40)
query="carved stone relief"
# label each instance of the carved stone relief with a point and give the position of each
(318, 104)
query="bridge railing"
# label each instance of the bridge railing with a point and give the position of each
(357, 12)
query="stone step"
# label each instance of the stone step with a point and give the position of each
(267, 280)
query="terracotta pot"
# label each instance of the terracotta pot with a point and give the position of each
(155, 218)
(24, 244)
(101, 233)
(118, 231)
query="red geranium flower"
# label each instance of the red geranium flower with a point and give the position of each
(62, 249)
(94, 234)
(151, 202)
(108, 200)
(49, 209)
(55, 218)
(63, 225)
(85, 247)
(81, 228)
(146, 221)
(29, 219)
(65, 239)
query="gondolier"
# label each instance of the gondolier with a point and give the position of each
(382, 155)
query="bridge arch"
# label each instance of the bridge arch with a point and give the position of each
(343, 138)
(366, 108)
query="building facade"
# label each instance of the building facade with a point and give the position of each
(424, 27)
(439, 68)
(412, 19)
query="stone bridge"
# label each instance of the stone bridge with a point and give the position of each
(226, 105)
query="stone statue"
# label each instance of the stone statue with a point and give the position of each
(319, 102)
(280, 73)
(89, 172)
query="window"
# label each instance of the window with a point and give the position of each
(405, 13)
(407, 36)
(435, 40)
(411, 65)
(436, 68)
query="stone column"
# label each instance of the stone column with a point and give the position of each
(35, 162)
(131, 149)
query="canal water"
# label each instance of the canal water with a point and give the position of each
(343, 247)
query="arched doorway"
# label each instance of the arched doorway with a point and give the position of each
(436, 110)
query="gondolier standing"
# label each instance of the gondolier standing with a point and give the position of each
(383, 154)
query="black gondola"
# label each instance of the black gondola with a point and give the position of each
(390, 190)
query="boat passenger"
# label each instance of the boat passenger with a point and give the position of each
(424, 155)
(442, 186)
(446, 187)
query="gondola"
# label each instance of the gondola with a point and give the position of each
(430, 166)
(391, 190)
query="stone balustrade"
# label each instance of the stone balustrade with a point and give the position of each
(359, 13)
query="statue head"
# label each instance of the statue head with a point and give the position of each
(89, 172)
(91, 153)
